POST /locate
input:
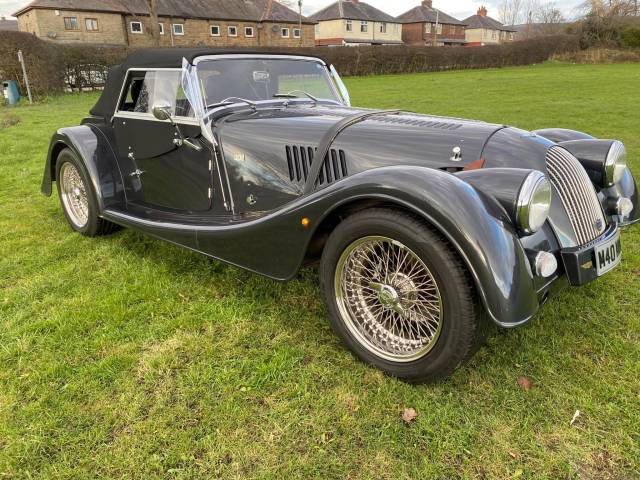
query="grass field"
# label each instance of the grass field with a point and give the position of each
(126, 357)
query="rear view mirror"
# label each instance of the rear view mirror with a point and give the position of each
(162, 111)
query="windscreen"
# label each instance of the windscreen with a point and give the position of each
(262, 79)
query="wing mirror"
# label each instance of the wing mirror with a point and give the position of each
(162, 112)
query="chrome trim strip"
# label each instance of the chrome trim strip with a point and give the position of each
(150, 117)
(256, 55)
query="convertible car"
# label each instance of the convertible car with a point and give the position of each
(423, 226)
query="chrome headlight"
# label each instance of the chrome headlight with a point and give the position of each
(534, 202)
(615, 164)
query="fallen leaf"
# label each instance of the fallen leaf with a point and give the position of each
(513, 455)
(525, 383)
(575, 417)
(409, 415)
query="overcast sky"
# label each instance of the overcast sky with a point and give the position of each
(458, 8)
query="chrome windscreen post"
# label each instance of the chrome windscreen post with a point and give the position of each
(341, 86)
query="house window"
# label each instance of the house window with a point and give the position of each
(439, 29)
(178, 29)
(91, 24)
(317, 29)
(493, 34)
(395, 28)
(232, 31)
(70, 23)
(285, 33)
(161, 28)
(349, 25)
(364, 26)
(427, 28)
(215, 30)
(383, 27)
(136, 27)
(296, 33)
(248, 31)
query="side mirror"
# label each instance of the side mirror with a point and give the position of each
(162, 111)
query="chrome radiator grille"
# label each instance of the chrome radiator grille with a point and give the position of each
(577, 194)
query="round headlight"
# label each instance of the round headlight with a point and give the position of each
(534, 202)
(615, 164)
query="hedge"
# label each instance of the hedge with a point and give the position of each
(54, 68)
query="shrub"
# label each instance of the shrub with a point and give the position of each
(630, 37)
(392, 60)
(41, 60)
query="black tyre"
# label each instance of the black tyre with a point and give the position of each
(77, 197)
(398, 295)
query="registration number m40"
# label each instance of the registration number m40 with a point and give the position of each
(608, 255)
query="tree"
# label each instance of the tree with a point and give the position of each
(510, 11)
(155, 25)
(550, 19)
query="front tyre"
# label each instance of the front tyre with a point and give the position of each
(398, 296)
(77, 197)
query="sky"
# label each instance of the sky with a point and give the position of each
(458, 8)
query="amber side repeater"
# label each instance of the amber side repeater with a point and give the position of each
(474, 165)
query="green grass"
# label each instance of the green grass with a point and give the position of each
(128, 357)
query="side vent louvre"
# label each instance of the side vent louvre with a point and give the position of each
(299, 160)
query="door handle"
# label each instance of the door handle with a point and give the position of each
(192, 144)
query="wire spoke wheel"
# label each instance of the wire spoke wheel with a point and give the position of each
(388, 299)
(74, 195)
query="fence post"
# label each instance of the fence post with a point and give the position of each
(24, 74)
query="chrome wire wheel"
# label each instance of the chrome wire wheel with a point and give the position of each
(74, 195)
(388, 299)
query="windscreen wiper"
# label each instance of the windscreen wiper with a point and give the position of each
(231, 101)
(295, 94)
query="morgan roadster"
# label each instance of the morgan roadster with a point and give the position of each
(423, 226)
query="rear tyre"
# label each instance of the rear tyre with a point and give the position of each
(398, 296)
(78, 198)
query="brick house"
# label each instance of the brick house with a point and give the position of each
(425, 25)
(484, 30)
(352, 22)
(215, 23)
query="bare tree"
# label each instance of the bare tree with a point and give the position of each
(155, 25)
(510, 11)
(550, 19)
(610, 8)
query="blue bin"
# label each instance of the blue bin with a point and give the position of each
(11, 92)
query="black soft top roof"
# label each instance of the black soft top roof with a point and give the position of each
(160, 58)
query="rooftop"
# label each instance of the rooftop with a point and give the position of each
(8, 24)
(426, 14)
(352, 10)
(481, 20)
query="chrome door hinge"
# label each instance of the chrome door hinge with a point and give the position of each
(137, 173)
(211, 165)
(210, 193)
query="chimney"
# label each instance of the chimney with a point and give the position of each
(427, 3)
(355, 1)
(482, 11)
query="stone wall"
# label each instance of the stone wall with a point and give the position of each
(116, 29)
